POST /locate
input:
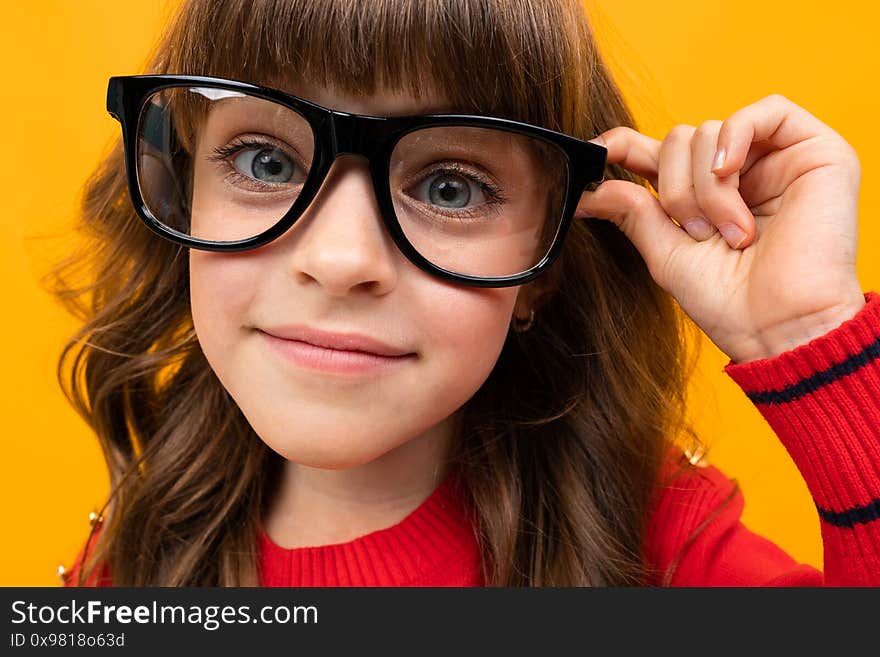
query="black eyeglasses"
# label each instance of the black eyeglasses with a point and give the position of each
(223, 165)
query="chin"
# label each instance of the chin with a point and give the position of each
(327, 457)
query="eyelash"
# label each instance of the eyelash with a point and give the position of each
(492, 191)
(223, 154)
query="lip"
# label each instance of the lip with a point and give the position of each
(336, 340)
(342, 353)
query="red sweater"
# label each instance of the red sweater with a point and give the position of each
(823, 401)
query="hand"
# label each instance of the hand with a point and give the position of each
(789, 183)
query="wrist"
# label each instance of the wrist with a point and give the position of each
(801, 331)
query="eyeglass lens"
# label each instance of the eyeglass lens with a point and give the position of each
(224, 166)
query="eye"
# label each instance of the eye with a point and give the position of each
(269, 165)
(450, 190)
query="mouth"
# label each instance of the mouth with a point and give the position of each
(336, 340)
(340, 357)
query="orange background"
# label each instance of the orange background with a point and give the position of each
(678, 62)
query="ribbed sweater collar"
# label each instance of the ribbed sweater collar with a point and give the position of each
(432, 546)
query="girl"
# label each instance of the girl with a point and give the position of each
(329, 349)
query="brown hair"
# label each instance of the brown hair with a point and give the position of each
(560, 449)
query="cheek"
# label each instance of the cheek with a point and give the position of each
(467, 328)
(221, 290)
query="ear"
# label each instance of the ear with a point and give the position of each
(535, 294)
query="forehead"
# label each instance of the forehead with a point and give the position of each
(384, 101)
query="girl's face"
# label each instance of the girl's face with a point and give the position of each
(337, 270)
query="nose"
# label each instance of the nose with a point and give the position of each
(340, 242)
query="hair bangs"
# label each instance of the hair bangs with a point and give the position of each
(488, 57)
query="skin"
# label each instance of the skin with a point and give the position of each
(361, 452)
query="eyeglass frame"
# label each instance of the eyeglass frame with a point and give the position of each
(336, 133)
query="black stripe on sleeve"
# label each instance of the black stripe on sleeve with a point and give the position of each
(853, 516)
(819, 379)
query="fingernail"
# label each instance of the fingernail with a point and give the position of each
(720, 156)
(699, 228)
(733, 234)
(598, 140)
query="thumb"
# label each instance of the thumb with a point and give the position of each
(638, 213)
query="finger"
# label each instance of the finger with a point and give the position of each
(774, 119)
(719, 197)
(771, 175)
(676, 191)
(633, 151)
(757, 151)
(639, 215)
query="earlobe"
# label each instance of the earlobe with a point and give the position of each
(529, 300)
(526, 298)
(535, 294)
(521, 325)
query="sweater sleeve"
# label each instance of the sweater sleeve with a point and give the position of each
(822, 399)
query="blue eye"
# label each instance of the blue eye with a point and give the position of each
(269, 165)
(450, 190)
